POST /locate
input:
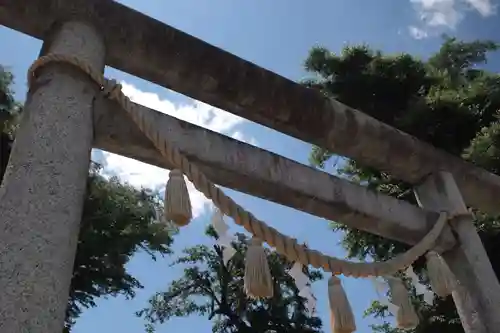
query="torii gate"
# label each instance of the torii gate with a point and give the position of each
(42, 196)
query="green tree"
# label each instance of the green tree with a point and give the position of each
(117, 221)
(9, 111)
(215, 290)
(448, 101)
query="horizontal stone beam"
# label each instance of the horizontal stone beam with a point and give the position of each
(152, 50)
(245, 168)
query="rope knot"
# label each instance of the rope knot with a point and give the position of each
(258, 281)
(341, 316)
(177, 202)
(111, 89)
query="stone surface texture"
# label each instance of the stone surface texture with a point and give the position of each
(245, 168)
(147, 48)
(40, 200)
(41, 197)
(477, 297)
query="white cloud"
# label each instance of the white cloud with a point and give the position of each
(417, 33)
(484, 7)
(140, 174)
(438, 12)
(240, 137)
(197, 113)
(436, 16)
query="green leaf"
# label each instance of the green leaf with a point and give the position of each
(447, 101)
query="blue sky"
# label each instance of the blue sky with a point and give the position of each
(276, 35)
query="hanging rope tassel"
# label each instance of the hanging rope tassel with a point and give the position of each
(341, 316)
(177, 202)
(258, 280)
(442, 280)
(406, 317)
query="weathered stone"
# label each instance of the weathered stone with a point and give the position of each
(144, 47)
(41, 197)
(245, 168)
(477, 296)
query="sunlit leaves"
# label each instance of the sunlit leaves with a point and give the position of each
(213, 289)
(448, 101)
(118, 220)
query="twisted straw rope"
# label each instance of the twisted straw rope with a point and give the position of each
(283, 244)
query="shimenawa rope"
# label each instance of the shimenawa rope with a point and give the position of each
(283, 244)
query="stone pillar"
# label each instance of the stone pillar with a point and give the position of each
(477, 297)
(42, 195)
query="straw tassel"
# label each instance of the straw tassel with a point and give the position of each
(258, 281)
(406, 317)
(177, 202)
(441, 279)
(341, 316)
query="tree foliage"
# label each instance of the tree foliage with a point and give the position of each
(210, 288)
(448, 101)
(117, 221)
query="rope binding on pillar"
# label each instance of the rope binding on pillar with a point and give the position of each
(258, 281)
